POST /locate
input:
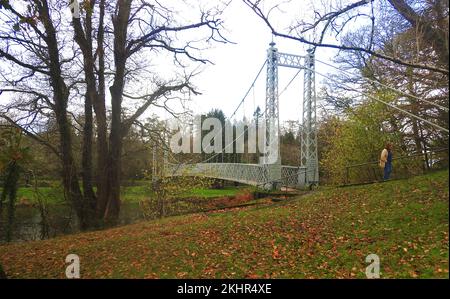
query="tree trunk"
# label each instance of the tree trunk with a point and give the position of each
(86, 163)
(102, 127)
(60, 98)
(94, 100)
(114, 162)
(102, 158)
(436, 37)
(120, 22)
(424, 147)
(70, 177)
(415, 109)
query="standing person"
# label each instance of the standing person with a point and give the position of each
(386, 161)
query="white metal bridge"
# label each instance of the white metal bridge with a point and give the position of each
(273, 174)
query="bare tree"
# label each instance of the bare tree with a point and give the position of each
(31, 52)
(137, 29)
(336, 20)
(116, 50)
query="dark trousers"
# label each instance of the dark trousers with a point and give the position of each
(387, 171)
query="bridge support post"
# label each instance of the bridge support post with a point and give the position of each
(309, 157)
(301, 178)
(272, 156)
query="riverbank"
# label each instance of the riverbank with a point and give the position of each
(54, 195)
(137, 205)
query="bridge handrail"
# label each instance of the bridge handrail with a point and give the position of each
(400, 158)
(348, 167)
(290, 175)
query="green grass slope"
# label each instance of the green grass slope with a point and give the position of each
(327, 234)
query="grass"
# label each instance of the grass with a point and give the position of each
(51, 195)
(327, 234)
(128, 194)
(211, 193)
(137, 193)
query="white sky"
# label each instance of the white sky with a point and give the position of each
(224, 84)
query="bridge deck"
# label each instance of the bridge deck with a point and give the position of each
(250, 174)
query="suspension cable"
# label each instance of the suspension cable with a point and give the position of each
(234, 113)
(250, 89)
(387, 86)
(290, 82)
(246, 128)
(381, 101)
(329, 78)
(346, 86)
(230, 144)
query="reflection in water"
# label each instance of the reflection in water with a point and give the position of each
(62, 220)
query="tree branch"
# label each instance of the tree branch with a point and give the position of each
(150, 100)
(22, 64)
(254, 6)
(31, 135)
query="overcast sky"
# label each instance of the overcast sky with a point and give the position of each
(224, 84)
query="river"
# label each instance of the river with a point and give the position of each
(28, 222)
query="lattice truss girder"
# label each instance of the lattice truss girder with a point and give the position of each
(309, 157)
(250, 174)
(272, 110)
(290, 60)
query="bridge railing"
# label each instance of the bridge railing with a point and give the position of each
(403, 167)
(293, 177)
(251, 174)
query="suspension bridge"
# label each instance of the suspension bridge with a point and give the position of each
(274, 175)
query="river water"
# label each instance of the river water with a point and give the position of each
(62, 220)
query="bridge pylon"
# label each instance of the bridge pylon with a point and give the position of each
(308, 150)
(309, 168)
(272, 156)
